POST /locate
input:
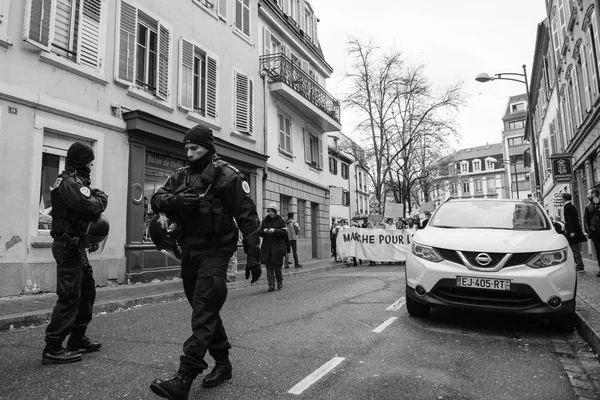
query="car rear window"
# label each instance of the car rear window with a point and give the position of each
(490, 215)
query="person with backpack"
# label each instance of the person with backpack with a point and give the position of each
(293, 229)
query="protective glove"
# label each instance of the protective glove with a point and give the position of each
(99, 194)
(186, 201)
(93, 247)
(253, 267)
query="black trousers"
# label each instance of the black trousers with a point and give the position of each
(76, 292)
(294, 250)
(205, 286)
(273, 273)
(596, 240)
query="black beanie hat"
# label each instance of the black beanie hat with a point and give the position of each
(202, 136)
(80, 153)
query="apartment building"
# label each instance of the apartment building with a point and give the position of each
(127, 77)
(298, 114)
(513, 148)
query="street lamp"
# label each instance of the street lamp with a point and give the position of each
(483, 77)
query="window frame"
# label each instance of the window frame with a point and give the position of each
(287, 135)
(476, 165)
(466, 185)
(313, 156)
(464, 167)
(345, 171)
(243, 120)
(242, 28)
(5, 40)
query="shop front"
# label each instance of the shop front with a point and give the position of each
(155, 152)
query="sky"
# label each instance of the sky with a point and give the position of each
(454, 40)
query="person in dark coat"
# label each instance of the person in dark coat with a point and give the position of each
(591, 219)
(273, 249)
(74, 205)
(573, 230)
(208, 197)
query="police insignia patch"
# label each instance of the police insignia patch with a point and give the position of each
(246, 187)
(85, 191)
(56, 184)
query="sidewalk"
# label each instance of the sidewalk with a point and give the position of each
(588, 304)
(18, 311)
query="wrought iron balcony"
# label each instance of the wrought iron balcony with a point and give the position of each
(281, 69)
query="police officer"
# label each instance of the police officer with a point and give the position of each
(74, 205)
(205, 197)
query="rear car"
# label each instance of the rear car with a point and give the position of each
(495, 255)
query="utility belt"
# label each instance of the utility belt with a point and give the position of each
(71, 240)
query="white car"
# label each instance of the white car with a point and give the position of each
(492, 254)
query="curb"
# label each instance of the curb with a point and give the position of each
(108, 306)
(586, 319)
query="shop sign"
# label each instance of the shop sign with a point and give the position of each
(562, 169)
(163, 162)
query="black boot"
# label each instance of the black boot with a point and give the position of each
(221, 372)
(60, 355)
(279, 285)
(175, 388)
(82, 344)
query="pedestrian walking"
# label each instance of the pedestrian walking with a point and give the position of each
(293, 230)
(74, 205)
(205, 197)
(273, 248)
(573, 230)
(591, 221)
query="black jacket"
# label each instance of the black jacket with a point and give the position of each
(74, 204)
(225, 195)
(572, 225)
(274, 245)
(588, 214)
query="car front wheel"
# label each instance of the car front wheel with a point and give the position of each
(565, 324)
(416, 309)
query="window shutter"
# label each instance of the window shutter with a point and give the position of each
(320, 148)
(596, 49)
(314, 32)
(89, 33)
(186, 88)
(302, 17)
(576, 102)
(592, 65)
(211, 86)
(238, 14)
(241, 102)
(38, 27)
(250, 106)
(306, 135)
(266, 41)
(586, 80)
(127, 34)
(164, 50)
(222, 9)
(246, 7)
(304, 65)
(63, 20)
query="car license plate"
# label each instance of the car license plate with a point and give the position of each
(483, 283)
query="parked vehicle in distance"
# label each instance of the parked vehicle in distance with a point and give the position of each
(496, 255)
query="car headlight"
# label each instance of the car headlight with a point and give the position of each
(426, 252)
(548, 259)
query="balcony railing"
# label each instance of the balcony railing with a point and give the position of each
(279, 68)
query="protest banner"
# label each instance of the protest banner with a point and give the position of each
(374, 244)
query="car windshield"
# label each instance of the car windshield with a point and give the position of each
(490, 215)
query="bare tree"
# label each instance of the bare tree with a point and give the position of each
(402, 116)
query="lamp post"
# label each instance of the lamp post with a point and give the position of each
(483, 77)
(516, 176)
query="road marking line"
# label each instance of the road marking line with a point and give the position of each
(315, 376)
(387, 323)
(397, 304)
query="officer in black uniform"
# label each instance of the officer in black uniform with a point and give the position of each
(205, 198)
(74, 205)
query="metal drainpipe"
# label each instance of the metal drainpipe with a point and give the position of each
(263, 75)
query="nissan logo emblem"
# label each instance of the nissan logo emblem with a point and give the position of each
(483, 259)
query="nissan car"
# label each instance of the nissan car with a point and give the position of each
(496, 255)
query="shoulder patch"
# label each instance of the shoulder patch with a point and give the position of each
(234, 169)
(85, 191)
(246, 187)
(56, 184)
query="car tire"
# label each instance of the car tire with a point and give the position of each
(416, 309)
(565, 324)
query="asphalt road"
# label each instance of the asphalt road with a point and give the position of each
(343, 334)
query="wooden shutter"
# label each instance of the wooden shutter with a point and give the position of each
(186, 75)
(241, 102)
(164, 53)
(246, 15)
(211, 86)
(222, 9)
(586, 80)
(304, 65)
(592, 65)
(596, 50)
(127, 37)
(266, 41)
(307, 155)
(320, 161)
(88, 43)
(250, 106)
(238, 14)
(314, 32)
(302, 17)
(38, 27)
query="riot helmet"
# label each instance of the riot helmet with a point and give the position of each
(96, 232)
(164, 232)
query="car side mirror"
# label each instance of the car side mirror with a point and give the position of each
(559, 228)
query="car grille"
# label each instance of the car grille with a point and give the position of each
(519, 297)
(515, 259)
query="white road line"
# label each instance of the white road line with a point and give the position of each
(387, 323)
(315, 376)
(397, 304)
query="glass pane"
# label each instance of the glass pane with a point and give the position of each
(50, 165)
